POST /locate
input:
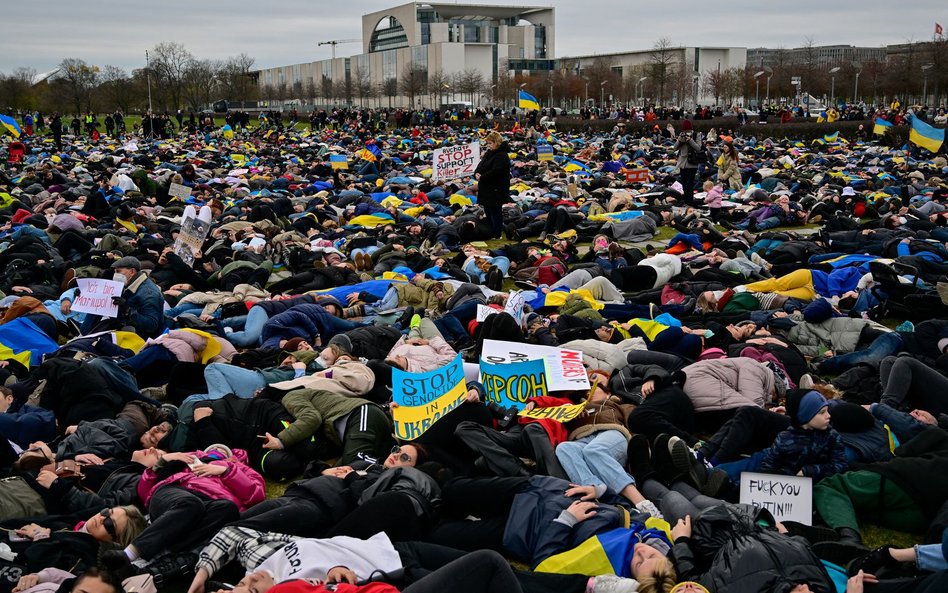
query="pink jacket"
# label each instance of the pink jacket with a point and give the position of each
(188, 346)
(714, 197)
(423, 358)
(241, 485)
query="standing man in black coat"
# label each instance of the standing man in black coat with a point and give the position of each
(493, 182)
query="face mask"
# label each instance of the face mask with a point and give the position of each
(323, 362)
(708, 334)
(119, 278)
(902, 220)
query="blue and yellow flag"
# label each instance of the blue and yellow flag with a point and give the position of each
(881, 126)
(926, 136)
(574, 165)
(831, 138)
(338, 161)
(10, 124)
(23, 341)
(528, 101)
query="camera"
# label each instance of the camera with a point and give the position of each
(506, 417)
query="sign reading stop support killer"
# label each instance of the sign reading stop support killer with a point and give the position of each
(421, 399)
(514, 383)
(456, 161)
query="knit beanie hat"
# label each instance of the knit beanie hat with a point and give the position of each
(803, 405)
(818, 311)
(850, 417)
(293, 344)
(686, 125)
(280, 465)
(342, 341)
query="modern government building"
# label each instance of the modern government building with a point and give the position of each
(444, 44)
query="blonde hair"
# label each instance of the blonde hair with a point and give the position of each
(662, 580)
(704, 303)
(134, 525)
(494, 138)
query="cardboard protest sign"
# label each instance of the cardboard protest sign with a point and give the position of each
(514, 305)
(636, 175)
(564, 368)
(557, 413)
(339, 161)
(544, 152)
(194, 229)
(421, 399)
(513, 384)
(788, 498)
(483, 312)
(182, 192)
(456, 161)
(95, 297)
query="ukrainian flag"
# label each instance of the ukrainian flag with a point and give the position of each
(926, 136)
(831, 138)
(609, 552)
(10, 124)
(528, 101)
(338, 161)
(881, 126)
(23, 341)
(575, 165)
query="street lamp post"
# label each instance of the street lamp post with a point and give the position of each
(769, 76)
(925, 70)
(602, 93)
(833, 72)
(858, 67)
(586, 102)
(640, 90)
(520, 88)
(757, 89)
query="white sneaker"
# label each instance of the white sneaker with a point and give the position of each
(610, 583)
(647, 506)
(806, 381)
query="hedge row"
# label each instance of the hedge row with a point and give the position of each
(806, 130)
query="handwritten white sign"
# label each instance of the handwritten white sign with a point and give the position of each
(788, 498)
(456, 161)
(514, 306)
(182, 192)
(564, 368)
(95, 297)
(483, 312)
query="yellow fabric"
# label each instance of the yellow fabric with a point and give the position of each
(797, 285)
(588, 558)
(211, 346)
(557, 298)
(129, 340)
(391, 201)
(394, 276)
(649, 328)
(6, 353)
(459, 200)
(370, 221)
(127, 224)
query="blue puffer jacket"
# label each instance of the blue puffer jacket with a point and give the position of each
(28, 424)
(301, 321)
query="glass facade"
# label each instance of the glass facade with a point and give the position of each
(389, 34)
(389, 64)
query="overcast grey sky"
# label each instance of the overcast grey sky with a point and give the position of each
(39, 34)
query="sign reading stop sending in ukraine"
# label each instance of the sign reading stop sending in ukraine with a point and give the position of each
(456, 161)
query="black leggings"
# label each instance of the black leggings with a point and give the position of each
(423, 559)
(181, 520)
(391, 512)
(749, 430)
(288, 514)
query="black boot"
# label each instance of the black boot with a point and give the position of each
(666, 472)
(842, 552)
(638, 461)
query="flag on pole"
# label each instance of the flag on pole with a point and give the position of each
(10, 124)
(926, 136)
(528, 101)
(880, 127)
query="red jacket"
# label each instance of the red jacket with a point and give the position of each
(555, 430)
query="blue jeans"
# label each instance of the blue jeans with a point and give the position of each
(885, 345)
(452, 324)
(223, 378)
(257, 317)
(596, 459)
(748, 464)
(500, 261)
(386, 303)
(930, 557)
(690, 238)
(185, 308)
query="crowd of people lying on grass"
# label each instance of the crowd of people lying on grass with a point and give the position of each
(790, 320)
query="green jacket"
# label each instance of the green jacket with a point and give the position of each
(314, 410)
(742, 302)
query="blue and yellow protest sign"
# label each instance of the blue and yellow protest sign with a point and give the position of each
(544, 152)
(514, 383)
(421, 399)
(338, 161)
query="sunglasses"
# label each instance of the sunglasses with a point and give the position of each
(403, 457)
(108, 523)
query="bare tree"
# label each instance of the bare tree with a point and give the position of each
(326, 88)
(170, 62)
(118, 89)
(413, 82)
(469, 82)
(17, 91)
(199, 83)
(438, 83)
(390, 89)
(81, 79)
(662, 60)
(234, 80)
(363, 87)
